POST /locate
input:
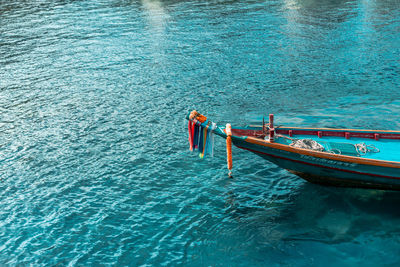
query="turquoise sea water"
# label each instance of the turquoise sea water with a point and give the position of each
(94, 160)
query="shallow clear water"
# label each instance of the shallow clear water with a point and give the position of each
(94, 161)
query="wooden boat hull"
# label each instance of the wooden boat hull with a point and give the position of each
(379, 170)
(323, 170)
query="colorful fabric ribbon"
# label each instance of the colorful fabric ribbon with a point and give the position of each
(205, 135)
(201, 138)
(196, 135)
(190, 127)
(210, 138)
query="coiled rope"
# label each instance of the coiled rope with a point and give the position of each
(363, 149)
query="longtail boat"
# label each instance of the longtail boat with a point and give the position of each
(338, 157)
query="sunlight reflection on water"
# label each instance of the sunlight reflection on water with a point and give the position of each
(94, 163)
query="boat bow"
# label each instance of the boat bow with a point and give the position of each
(339, 162)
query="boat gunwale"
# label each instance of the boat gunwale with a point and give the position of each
(323, 129)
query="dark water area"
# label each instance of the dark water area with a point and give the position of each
(94, 160)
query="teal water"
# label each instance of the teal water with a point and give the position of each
(94, 161)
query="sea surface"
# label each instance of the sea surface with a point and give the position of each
(94, 161)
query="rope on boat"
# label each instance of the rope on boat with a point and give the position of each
(363, 149)
(307, 144)
(228, 130)
(194, 115)
(335, 151)
(283, 136)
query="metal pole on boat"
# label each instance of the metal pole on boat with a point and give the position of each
(271, 128)
(264, 132)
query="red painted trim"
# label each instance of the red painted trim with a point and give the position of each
(369, 135)
(271, 120)
(317, 165)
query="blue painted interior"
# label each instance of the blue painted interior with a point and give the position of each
(389, 149)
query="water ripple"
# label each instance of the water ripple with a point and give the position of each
(94, 165)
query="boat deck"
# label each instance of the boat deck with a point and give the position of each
(389, 149)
